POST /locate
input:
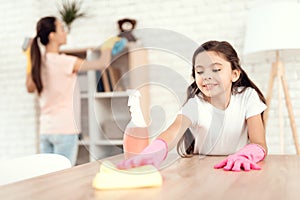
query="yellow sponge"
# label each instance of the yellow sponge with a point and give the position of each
(110, 177)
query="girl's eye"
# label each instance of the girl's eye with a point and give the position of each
(216, 70)
(199, 72)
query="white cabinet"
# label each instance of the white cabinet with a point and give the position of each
(104, 115)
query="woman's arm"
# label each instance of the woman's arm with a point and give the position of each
(30, 84)
(99, 64)
(256, 131)
(175, 131)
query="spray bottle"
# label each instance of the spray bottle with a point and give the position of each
(136, 136)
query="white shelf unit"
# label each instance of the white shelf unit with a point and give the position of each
(105, 131)
(104, 115)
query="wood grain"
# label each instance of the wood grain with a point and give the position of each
(188, 178)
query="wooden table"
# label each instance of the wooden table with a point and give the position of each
(189, 178)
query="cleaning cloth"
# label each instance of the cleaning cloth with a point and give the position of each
(110, 177)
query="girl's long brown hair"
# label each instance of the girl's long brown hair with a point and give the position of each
(44, 27)
(185, 146)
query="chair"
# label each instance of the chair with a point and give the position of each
(31, 166)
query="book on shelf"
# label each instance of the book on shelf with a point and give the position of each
(105, 80)
(107, 71)
(108, 80)
(100, 86)
(115, 76)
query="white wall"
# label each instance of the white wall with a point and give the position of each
(196, 20)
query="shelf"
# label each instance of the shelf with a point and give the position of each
(111, 94)
(105, 95)
(109, 142)
(84, 142)
(108, 109)
(84, 95)
(101, 142)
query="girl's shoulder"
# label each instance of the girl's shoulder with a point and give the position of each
(66, 56)
(245, 91)
(246, 94)
(61, 57)
(197, 101)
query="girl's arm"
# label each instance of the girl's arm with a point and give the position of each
(248, 156)
(175, 131)
(99, 64)
(156, 152)
(256, 131)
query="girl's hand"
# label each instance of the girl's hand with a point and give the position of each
(139, 160)
(246, 159)
(154, 154)
(237, 163)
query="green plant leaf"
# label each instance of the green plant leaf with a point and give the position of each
(70, 11)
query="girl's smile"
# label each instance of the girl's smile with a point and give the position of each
(209, 86)
(214, 77)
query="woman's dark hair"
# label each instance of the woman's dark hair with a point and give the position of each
(44, 27)
(185, 146)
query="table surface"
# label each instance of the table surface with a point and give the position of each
(185, 178)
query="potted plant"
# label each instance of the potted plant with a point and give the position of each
(70, 11)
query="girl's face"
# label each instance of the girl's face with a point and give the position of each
(213, 75)
(60, 36)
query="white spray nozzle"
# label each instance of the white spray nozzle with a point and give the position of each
(135, 108)
(134, 97)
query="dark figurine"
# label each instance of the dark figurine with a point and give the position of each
(126, 26)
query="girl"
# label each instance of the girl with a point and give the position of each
(54, 78)
(223, 113)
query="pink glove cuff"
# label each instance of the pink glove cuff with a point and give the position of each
(165, 146)
(253, 152)
(263, 150)
(158, 146)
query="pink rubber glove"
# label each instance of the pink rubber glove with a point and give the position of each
(246, 159)
(153, 154)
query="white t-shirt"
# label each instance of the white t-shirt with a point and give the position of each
(60, 97)
(222, 132)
